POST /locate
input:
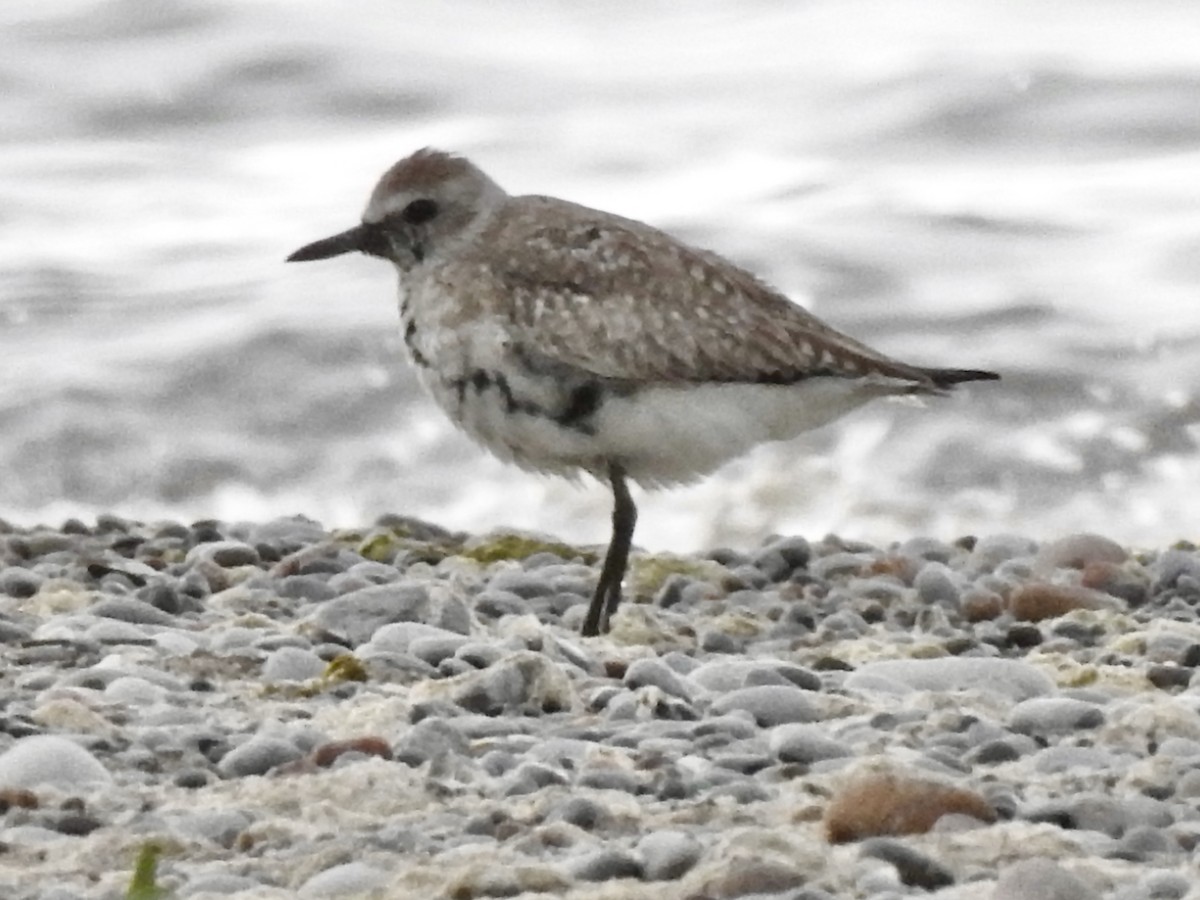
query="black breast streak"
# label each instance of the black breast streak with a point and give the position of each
(410, 341)
(581, 404)
(481, 381)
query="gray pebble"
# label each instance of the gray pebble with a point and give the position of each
(1001, 750)
(398, 637)
(914, 869)
(128, 609)
(494, 604)
(1050, 715)
(805, 744)
(1165, 885)
(1006, 677)
(289, 533)
(780, 558)
(526, 682)
(531, 777)
(1040, 879)
(218, 826)
(192, 779)
(454, 615)
(12, 633)
(992, 550)
(314, 588)
(935, 584)
(610, 780)
(352, 879)
(479, 654)
(769, 704)
(436, 648)
(258, 756)
(714, 641)
(114, 631)
(583, 812)
(355, 617)
(50, 760)
(226, 554)
(929, 549)
(1140, 844)
(427, 739)
(132, 691)
(292, 664)
(840, 565)
(1171, 565)
(1095, 812)
(667, 855)
(731, 674)
(525, 585)
(1064, 758)
(654, 672)
(221, 884)
(605, 865)
(19, 582)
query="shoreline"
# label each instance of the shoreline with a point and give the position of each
(289, 711)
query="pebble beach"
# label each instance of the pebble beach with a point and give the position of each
(279, 710)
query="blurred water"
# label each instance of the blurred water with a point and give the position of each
(1011, 185)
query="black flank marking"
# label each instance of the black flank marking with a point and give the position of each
(794, 377)
(582, 404)
(593, 234)
(480, 380)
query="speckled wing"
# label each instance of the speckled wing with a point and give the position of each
(621, 300)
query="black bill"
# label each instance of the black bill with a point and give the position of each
(351, 241)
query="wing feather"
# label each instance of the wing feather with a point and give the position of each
(623, 301)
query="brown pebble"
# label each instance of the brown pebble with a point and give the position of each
(1035, 602)
(615, 668)
(901, 567)
(890, 804)
(20, 797)
(325, 755)
(978, 605)
(741, 876)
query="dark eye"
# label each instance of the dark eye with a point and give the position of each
(419, 211)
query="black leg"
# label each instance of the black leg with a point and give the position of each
(608, 588)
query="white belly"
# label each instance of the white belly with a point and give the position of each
(660, 435)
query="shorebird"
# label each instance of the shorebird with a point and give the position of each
(567, 339)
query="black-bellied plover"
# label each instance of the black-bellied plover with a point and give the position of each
(569, 340)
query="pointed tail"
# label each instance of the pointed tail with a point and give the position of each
(947, 378)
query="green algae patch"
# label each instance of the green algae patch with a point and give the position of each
(344, 667)
(393, 544)
(650, 572)
(511, 546)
